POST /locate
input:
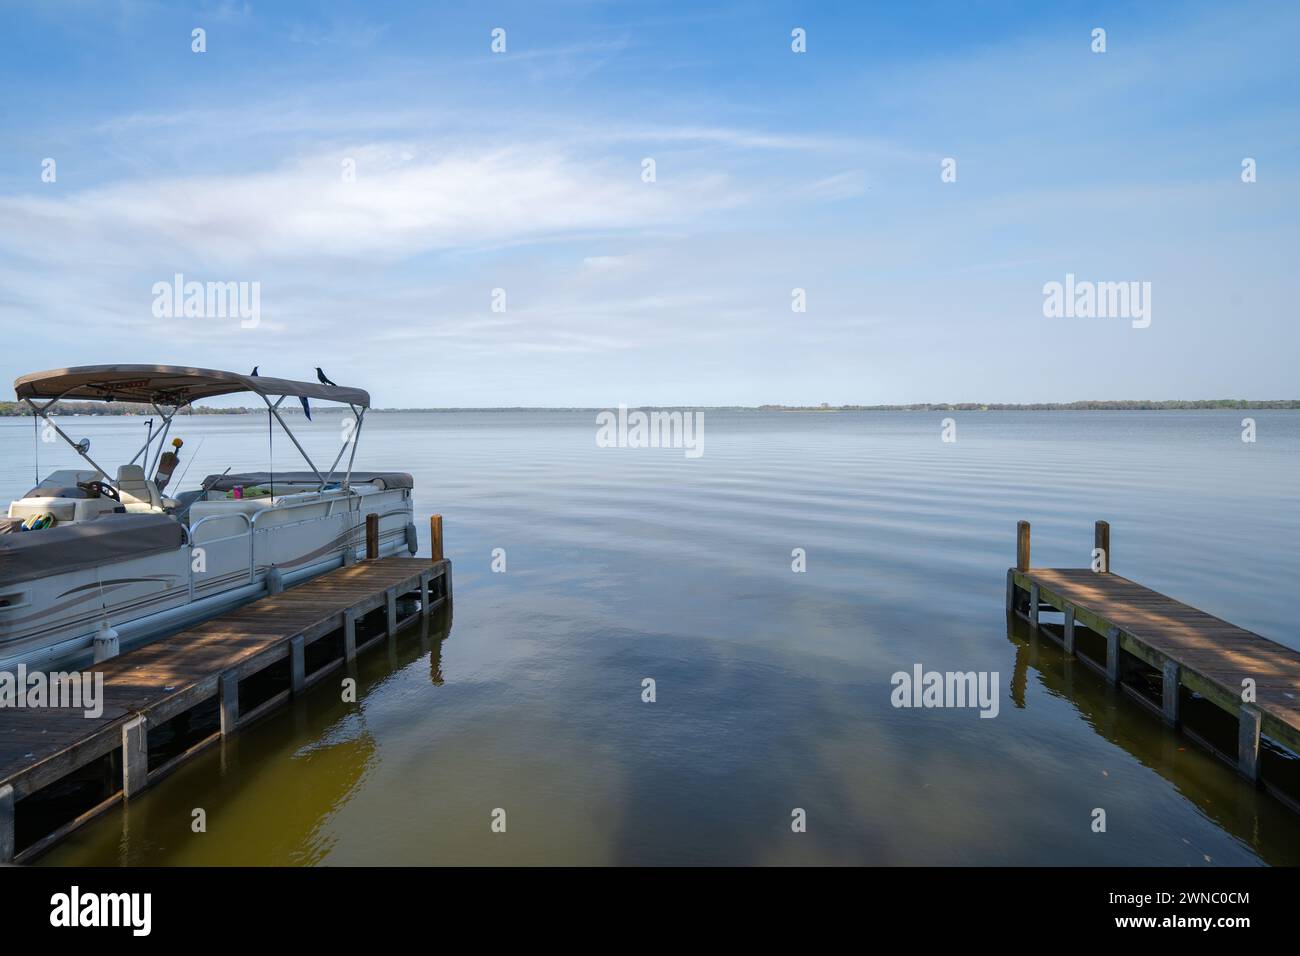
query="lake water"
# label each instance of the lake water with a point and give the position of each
(772, 687)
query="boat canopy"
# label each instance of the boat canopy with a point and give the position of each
(170, 385)
(169, 388)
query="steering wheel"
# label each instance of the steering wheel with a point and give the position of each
(97, 489)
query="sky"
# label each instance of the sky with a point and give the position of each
(447, 225)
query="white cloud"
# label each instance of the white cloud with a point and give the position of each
(396, 208)
(846, 185)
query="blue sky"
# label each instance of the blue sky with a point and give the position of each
(775, 170)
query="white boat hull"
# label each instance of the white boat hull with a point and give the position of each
(54, 619)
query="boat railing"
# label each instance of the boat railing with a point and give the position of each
(250, 525)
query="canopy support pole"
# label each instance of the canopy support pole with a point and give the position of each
(356, 439)
(167, 423)
(162, 439)
(61, 433)
(350, 440)
(274, 409)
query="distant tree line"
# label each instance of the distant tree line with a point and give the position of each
(1120, 405)
(18, 409)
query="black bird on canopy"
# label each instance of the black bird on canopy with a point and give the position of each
(322, 377)
(254, 372)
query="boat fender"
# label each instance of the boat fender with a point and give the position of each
(107, 643)
(412, 538)
(274, 581)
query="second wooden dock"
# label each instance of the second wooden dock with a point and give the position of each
(1152, 640)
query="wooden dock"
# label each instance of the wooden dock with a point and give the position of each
(1151, 638)
(165, 702)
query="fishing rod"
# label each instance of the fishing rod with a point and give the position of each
(185, 470)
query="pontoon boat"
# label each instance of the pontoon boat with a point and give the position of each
(91, 561)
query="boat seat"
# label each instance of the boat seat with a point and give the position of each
(139, 495)
(33, 555)
(63, 509)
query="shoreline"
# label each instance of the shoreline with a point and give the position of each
(18, 410)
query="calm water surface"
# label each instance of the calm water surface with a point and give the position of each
(773, 688)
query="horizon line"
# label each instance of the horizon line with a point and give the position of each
(18, 410)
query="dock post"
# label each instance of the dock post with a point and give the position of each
(1112, 655)
(229, 693)
(1022, 545)
(298, 663)
(424, 595)
(1033, 605)
(135, 756)
(7, 847)
(1172, 678)
(1101, 542)
(372, 536)
(1068, 632)
(390, 609)
(435, 537)
(350, 635)
(1248, 742)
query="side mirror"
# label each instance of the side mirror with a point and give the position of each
(83, 446)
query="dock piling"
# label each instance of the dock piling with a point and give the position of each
(1248, 741)
(6, 824)
(349, 635)
(390, 611)
(435, 537)
(372, 536)
(1171, 679)
(1068, 631)
(1033, 606)
(1101, 542)
(228, 685)
(1022, 545)
(298, 663)
(1112, 655)
(135, 756)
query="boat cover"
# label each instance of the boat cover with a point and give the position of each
(25, 555)
(252, 479)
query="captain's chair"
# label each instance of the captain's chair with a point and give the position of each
(138, 493)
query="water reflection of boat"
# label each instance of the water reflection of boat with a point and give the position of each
(1252, 816)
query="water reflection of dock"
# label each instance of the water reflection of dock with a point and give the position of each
(1225, 798)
